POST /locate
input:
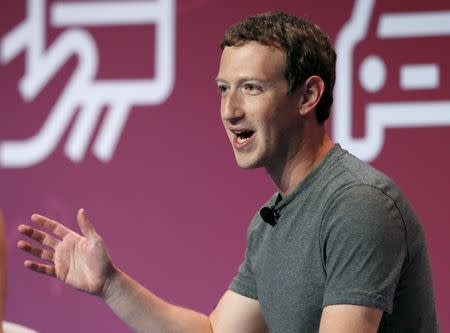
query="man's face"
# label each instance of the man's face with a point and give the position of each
(260, 118)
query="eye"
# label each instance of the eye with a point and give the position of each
(222, 88)
(252, 88)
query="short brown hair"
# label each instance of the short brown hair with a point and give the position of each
(308, 50)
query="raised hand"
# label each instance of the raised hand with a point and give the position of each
(81, 261)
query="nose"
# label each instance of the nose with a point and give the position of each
(231, 107)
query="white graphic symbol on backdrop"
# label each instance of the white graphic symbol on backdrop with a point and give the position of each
(9, 327)
(83, 92)
(372, 75)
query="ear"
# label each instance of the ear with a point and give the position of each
(312, 91)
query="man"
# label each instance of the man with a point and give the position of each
(342, 250)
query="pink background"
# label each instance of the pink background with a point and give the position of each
(171, 204)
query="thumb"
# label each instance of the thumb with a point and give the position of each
(85, 225)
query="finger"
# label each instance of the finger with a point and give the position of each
(85, 225)
(40, 268)
(38, 236)
(36, 251)
(55, 227)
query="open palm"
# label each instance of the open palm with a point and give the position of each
(81, 261)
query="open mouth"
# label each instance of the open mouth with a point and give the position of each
(243, 136)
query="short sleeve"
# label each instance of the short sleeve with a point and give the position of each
(244, 282)
(363, 244)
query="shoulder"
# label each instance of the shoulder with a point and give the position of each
(347, 180)
(363, 198)
(363, 208)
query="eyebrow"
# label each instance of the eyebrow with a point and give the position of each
(242, 79)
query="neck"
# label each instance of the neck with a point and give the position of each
(311, 149)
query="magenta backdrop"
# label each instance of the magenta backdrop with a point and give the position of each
(170, 203)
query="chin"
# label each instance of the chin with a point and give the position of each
(248, 167)
(244, 163)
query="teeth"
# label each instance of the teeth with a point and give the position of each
(243, 136)
(241, 140)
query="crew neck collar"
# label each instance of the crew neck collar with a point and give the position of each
(278, 202)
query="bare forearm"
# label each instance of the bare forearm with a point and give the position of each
(143, 311)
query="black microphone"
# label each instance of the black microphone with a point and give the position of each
(269, 215)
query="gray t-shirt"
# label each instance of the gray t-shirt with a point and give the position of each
(345, 235)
